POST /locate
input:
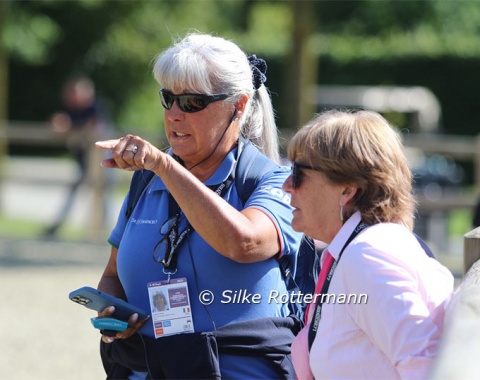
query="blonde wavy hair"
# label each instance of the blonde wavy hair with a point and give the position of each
(360, 148)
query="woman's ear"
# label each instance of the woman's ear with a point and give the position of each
(240, 105)
(348, 193)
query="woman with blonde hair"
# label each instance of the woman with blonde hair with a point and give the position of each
(351, 188)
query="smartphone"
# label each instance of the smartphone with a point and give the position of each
(97, 300)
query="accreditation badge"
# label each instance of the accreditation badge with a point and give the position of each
(170, 307)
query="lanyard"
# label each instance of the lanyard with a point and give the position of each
(312, 332)
(170, 261)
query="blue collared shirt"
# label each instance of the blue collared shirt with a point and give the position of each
(232, 284)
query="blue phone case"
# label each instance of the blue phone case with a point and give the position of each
(97, 300)
(105, 323)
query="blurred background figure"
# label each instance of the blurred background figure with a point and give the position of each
(81, 120)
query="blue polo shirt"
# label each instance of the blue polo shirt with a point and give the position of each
(200, 264)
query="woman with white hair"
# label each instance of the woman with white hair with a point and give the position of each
(216, 256)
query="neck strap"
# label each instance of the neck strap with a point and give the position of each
(312, 333)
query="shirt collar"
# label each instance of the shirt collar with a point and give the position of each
(220, 175)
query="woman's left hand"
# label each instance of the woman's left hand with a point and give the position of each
(131, 153)
(133, 326)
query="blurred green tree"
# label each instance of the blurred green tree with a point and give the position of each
(114, 42)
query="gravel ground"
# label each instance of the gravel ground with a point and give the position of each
(44, 335)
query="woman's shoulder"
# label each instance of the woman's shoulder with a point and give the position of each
(383, 232)
(278, 174)
(384, 243)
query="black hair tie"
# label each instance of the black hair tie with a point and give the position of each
(259, 69)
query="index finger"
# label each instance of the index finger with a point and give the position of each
(107, 144)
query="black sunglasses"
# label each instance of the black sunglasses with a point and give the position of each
(188, 102)
(169, 242)
(297, 174)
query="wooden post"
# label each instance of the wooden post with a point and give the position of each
(3, 90)
(97, 187)
(476, 162)
(302, 66)
(471, 249)
(3, 69)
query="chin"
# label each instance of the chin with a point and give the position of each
(297, 226)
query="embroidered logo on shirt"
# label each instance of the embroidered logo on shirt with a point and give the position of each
(144, 221)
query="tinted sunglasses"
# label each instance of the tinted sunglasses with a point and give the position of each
(188, 102)
(169, 242)
(297, 174)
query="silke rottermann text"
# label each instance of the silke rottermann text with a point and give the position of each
(243, 296)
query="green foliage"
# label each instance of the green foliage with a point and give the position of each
(397, 29)
(460, 222)
(31, 36)
(122, 60)
(15, 228)
(423, 41)
(272, 38)
(115, 42)
(144, 112)
(371, 17)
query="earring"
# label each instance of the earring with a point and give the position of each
(341, 213)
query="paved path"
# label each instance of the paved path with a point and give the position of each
(44, 335)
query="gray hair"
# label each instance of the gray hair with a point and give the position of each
(202, 63)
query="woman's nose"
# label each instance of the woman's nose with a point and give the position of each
(174, 113)
(287, 185)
